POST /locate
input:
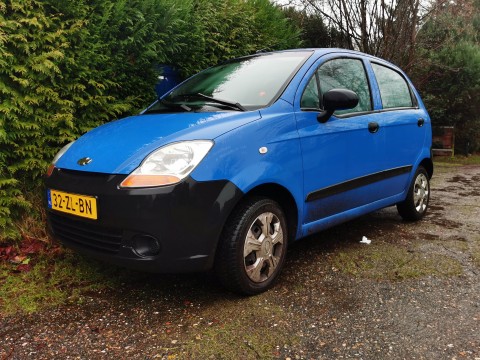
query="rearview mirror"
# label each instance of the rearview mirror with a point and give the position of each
(337, 99)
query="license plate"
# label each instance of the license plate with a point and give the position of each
(80, 205)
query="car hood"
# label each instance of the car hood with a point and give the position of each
(120, 146)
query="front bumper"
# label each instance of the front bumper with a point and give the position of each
(185, 220)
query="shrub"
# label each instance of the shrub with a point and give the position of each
(67, 66)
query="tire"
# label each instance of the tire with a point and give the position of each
(415, 206)
(253, 246)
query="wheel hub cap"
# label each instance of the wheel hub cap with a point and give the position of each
(264, 246)
(421, 193)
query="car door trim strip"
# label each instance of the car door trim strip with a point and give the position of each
(356, 183)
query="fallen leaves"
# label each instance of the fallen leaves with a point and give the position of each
(22, 255)
(24, 268)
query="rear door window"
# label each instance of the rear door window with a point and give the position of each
(394, 90)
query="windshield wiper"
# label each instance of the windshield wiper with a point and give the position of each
(175, 105)
(214, 100)
(168, 104)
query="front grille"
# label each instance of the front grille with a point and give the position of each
(85, 234)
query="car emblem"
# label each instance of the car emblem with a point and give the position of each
(84, 161)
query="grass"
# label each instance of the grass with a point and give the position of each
(258, 332)
(53, 280)
(56, 277)
(384, 261)
(475, 252)
(65, 277)
(257, 326)
(476, 258)
(388, 261)
(458, 160)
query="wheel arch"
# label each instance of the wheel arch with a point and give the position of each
(286, 201)
(227, 251)
(427, 163)
(279, 194)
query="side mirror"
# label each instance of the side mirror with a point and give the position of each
(337, 99)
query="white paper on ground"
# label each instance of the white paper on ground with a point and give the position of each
(365, 240)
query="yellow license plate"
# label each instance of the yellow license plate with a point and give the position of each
(80, 205)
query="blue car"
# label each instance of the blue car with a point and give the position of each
(229, 167)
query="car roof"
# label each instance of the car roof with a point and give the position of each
(324, 51)
(319, 52)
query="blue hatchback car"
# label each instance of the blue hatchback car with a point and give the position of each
(229, 167)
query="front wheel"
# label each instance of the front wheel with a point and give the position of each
(253, 247)
(415, 206)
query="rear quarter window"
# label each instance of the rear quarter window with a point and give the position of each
(394, 89)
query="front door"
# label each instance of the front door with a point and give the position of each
(343, 159)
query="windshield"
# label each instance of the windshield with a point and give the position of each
(242, 84)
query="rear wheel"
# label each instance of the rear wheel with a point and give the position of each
(253, 247)
(415, 206)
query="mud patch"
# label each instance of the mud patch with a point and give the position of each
(435, 207)
(446, 190)
(471, 194)
(447, 224)
(459, 179)
(443, 237)
(429, 237)
(457, 238)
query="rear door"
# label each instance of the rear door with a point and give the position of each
(402, 120)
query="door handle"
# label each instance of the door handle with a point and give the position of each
(373, 127)
(420, 122)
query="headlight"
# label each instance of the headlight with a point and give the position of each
(169, 164)
(57, 157)
(61, 152)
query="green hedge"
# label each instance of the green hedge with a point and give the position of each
(67, 66)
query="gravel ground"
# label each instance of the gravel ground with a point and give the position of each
(318, 310)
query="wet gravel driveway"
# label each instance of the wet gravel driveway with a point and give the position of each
(328, 304)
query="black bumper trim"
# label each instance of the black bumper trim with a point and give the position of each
(186, 219)
(84, 234)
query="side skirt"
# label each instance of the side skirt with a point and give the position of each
(357, 183)
(325, 223)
